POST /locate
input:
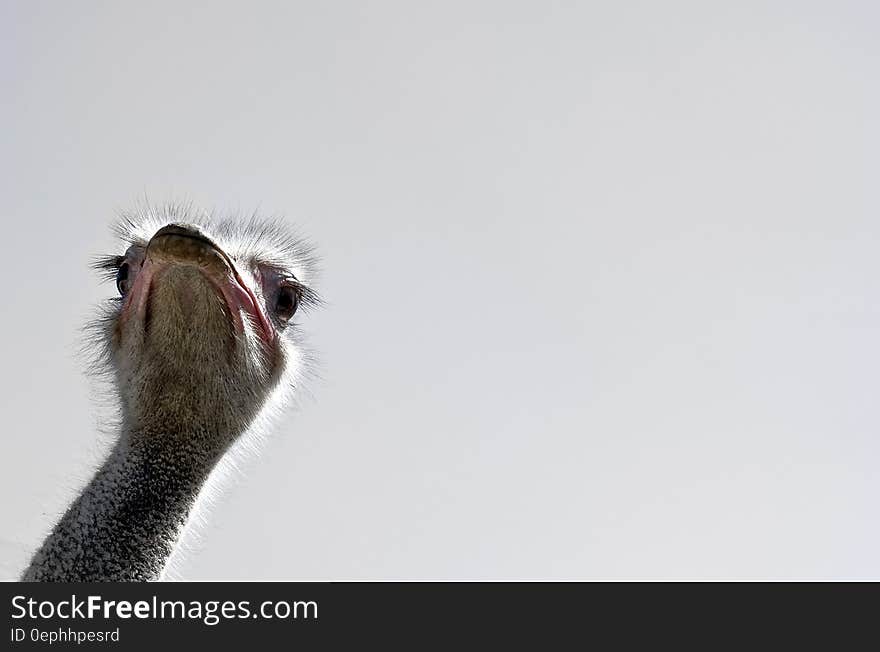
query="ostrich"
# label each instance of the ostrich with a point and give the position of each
(199, 346)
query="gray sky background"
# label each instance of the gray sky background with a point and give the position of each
(602, 278)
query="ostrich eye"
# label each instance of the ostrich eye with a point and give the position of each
(286, 302)
(122, 282)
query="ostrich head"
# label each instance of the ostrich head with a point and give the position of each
(198, 342)
(202, 333)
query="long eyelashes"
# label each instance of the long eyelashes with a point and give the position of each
(108, 266)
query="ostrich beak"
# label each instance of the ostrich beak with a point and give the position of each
(184, 245)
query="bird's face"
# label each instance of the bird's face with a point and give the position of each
(202, 332)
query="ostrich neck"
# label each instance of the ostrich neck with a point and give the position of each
(125, 523)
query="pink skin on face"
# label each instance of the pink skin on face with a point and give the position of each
(235, 292)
